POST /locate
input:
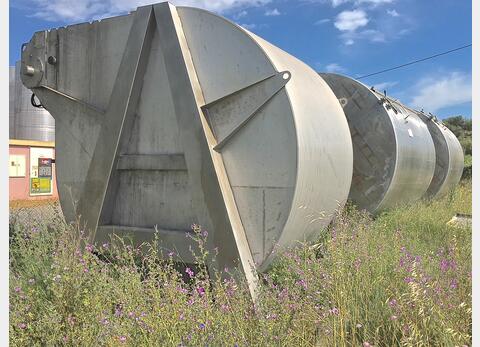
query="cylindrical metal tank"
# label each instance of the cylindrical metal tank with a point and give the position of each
(173, 115)
(393, 152)
(449, 157)
(29, 123)
(11, 103)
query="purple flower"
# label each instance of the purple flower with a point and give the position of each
(201, 291)
(189, 272)
(17, 289)
(408, 279)
(204, 233)
(105, 245)
(89, 248)
(22, 326)
(181, 317)
(104, 321)
(201, 326)
(453, 284)
(122, 338)
(302, 283)
(171, 254)
(392, 303)
(334, 311)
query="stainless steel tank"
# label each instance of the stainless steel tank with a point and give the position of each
(393, 152)
(11, 102)
(29, 123)
(173, 115)
(449, 157)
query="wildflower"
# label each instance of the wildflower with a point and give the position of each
(57, 278)
(334, 311)
(118, 312)
(104, 321)
(204, 233)
(181, 317)
(17, 289)
(122, 338)
(302, 283)
(393, 317)
(105, 245)
(22, 326)
(171, 254)
(271, 316)
(408, 279)
(201, 326)
(201, 291)
(359, 326)
(444, 265)
(366, 344)
(89, 247)
(34, 230)
(453, 284)
(392, 303)
(85, 270)
(189, 272)
(131, 314)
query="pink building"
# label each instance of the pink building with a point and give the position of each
(26, 181)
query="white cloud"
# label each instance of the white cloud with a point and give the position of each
(374, 2)
(80, 10)
(351, 20)
(435, 93)
(384, 85)
(274, 12)
(393, 13)
(249, 26)
(321, 21)
(240, 14)
(334, 67)
(336, 3)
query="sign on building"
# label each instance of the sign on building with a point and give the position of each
(41, 171)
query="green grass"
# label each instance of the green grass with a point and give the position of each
(401, 279)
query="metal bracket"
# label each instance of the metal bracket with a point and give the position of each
(229, 114)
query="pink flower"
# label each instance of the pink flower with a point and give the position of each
(334, 311)
(122, 339)
(89, 248)
(190, 272)
(201, 291)
(22, 326)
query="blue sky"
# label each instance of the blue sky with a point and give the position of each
(352, 37)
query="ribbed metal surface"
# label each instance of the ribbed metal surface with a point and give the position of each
(393, 151)
(449, 157)
(11, 102)
(29, 123)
